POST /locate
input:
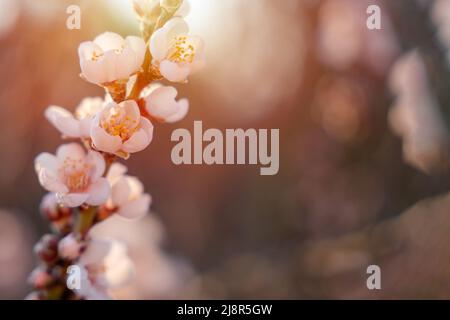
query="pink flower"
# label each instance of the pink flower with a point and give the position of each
(161, 104)
(127, 196)
(119, 129)
(78, 125)
(104, 265)
(110, 57)
(75, 177)
(174, 52)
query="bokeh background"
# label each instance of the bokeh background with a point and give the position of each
(364, 149)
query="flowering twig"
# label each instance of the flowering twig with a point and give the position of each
(86, 185)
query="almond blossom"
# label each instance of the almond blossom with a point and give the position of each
(75, 177)
(161, 104)
(120, 129)
(175, 53)
(104, 265)
(110, 58)
(85, 186)
(77, 125)
(127, 196)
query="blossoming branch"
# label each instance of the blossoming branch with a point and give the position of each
(85, 183)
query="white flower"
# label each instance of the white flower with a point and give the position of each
(110, 57)
(160, 103)
(175, 53)
(104, 265)
(69, 247)
(127, 196)
(78, 125)
(119, 129)
(75, 177)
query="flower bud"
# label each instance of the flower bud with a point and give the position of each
(171, 5)
(46, 248)
(147, 9)
(59, 216)
(40, 278)
(69, 247)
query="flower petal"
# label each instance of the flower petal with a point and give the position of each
(118, 275)
(72, 199)
(46, 166)
(98, 192)
(98, 162)
(96, 251)
(120, 192)
(64, 121)
(95, 71)
(89, 107)
(135, 209)
(138, 46)
(85, 127)
(175, 27)
(48, 162)
(160, 103)
(88, 49)
(126, 63)
(115, 172)
(131, 110)
(112, 72)
(183, 108)
(140, 139)
(159, 45)
(109, 41)
(72, 150)
(136, 186)
(173, 71)
(69, 247)
(104, 141)
(162, 38)
(118, 266)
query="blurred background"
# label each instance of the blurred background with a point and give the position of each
(364, 149)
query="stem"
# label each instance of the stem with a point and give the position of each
(55, 292)
(143, 78)
(86, 216)
(148, 75)
(85, 219)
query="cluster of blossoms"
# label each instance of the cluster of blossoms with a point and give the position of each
(85, 184)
